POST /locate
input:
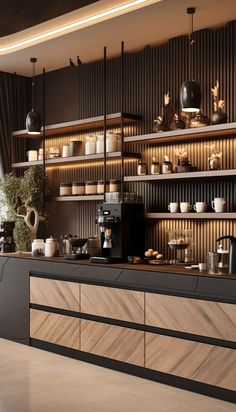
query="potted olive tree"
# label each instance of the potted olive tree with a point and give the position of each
(21, 200)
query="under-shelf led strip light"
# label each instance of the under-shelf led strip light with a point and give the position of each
(95, 17)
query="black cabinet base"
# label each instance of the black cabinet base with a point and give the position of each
(182, 383)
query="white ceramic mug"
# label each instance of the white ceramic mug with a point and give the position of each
(32, 155)
(173, 207)
(218, 204)
(200, 207)
(185, 207)
(66, 150)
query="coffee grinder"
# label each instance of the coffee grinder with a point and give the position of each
(121, 232)
(76, 249)
(7, 244)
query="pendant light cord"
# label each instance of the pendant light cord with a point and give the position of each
(33, 61)
(191, 41)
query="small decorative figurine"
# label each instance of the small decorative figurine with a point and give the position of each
(168, 111)
(163, 123)
(214, 160)
(177, 123)
(183, 164)
(159, 126)
(218, 116)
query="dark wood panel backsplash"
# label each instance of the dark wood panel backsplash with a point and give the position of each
(149, 73)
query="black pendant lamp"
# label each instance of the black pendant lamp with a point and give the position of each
(33, 118)
(190, 94)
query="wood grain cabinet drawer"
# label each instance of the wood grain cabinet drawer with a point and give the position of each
(115, 342)
(194, 316)
(192, 360)
(55, 293)
(54, 328)
(113, 303)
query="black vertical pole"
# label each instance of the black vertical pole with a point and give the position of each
(122, 120)
(44, 136)
(105, 120)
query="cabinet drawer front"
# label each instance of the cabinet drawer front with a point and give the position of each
(115, 342)
(55, 293)
(54, 328)
(200, 317)
(192, 360)
(113, 303)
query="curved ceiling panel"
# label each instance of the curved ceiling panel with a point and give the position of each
(20, 15)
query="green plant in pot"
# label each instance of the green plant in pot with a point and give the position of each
(22, 201)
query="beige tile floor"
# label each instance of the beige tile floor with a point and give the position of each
(32, 380)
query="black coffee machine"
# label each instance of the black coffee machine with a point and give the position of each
(7, 244)
(121, 231)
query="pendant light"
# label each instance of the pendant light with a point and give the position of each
(33, 118)
(190, 94)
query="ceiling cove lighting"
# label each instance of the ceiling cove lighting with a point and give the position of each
(33, 118)
(63, 29)
(190, 94)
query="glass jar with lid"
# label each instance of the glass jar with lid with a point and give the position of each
(78, 188)
(111, 142)
(167, 166)
(100, 143)
(114, 186)
(90, 145)
(38, 247)
(142, 169)
(155, 167)
(100, 187)
(65, 189)
(91, 188)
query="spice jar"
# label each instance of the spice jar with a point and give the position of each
(166, 166)
(142, 169)
(90, 145)
(155, 167)
(78, 188)
(65, 189)
(114, 186)
(100, 187)
(100, 143)
(91, 188)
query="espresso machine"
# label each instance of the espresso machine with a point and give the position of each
(7, 244)
(121, 232)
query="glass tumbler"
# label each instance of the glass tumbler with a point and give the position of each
(212, 262)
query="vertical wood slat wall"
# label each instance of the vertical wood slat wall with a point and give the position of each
(149, 74)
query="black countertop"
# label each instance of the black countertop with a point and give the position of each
(168, 279)
(173, 269)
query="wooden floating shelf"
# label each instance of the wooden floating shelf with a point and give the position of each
(91, 123)
(75, 198)
(177, 136)
(60, 161)
(192, 216)
(182, 176)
